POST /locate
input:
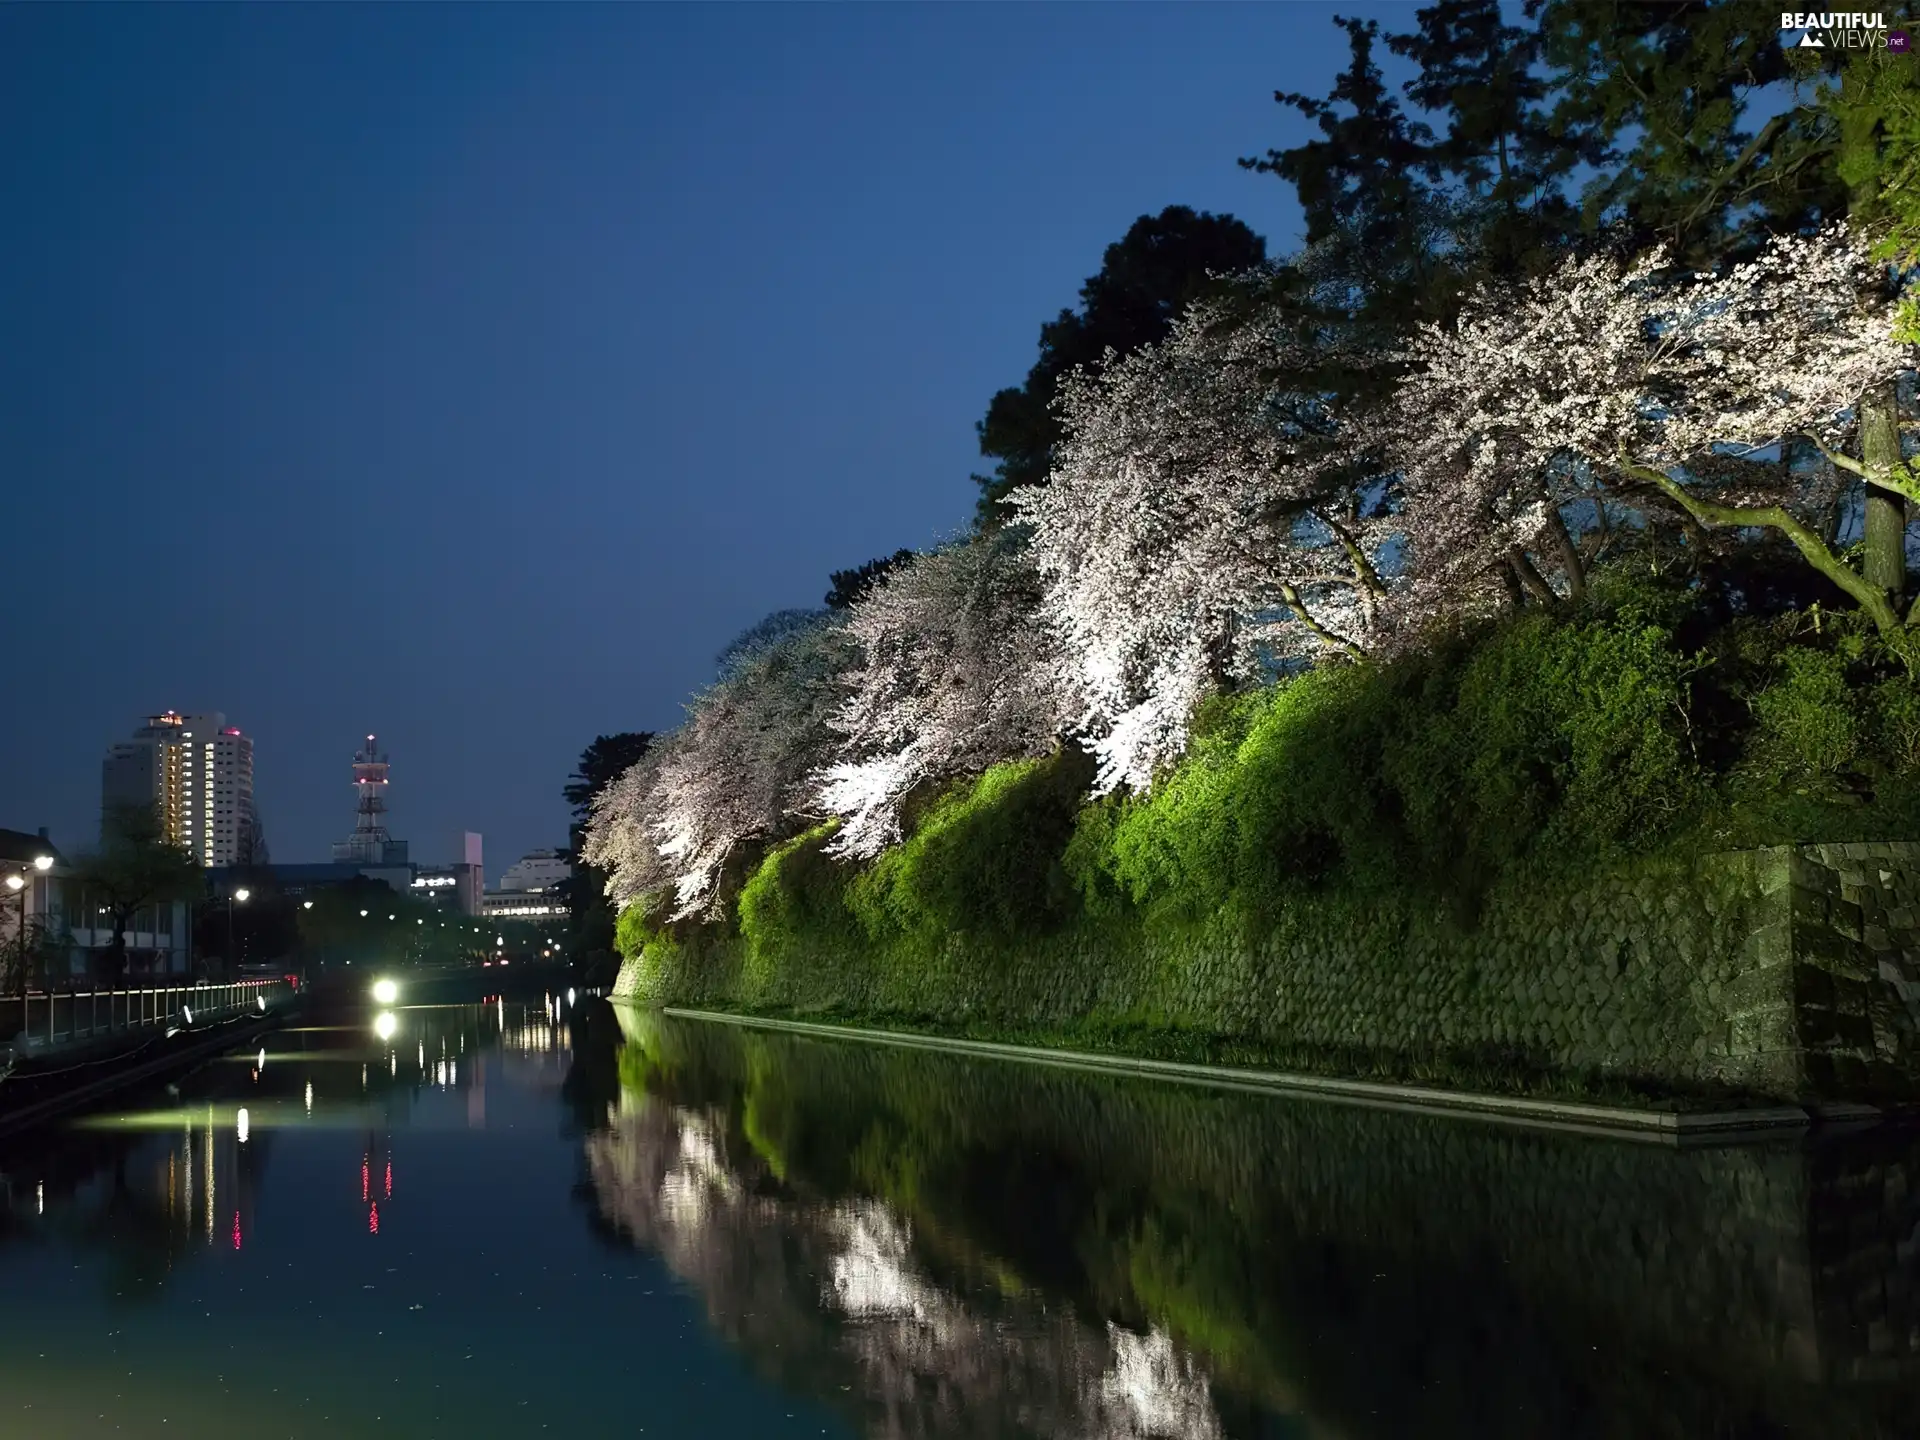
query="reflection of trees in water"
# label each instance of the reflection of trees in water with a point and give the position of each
(971, 1246)
(827, 1298)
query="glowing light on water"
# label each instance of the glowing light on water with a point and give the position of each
(40, 1198)
(261, 1063)
(309, 1097)
(385, 991)
(240, 1124)
(385, 1025)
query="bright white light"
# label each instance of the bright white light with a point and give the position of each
(385, 1025)
(242, 895)
(187, 1014)
(308, 905)
(569, 997)
(309, 1097)
(43, 863)
(363, 914)
(261, 1063)
(15, 882)
(385, 991)
(261, 1001)
(240, 1125)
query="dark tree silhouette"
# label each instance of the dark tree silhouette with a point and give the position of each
(851, 586)
(1162, 264)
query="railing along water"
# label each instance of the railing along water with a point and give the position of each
(47, 1019)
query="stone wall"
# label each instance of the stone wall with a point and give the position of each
(1783, 972)
(1856, 950)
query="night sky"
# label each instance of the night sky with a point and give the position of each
(473, 375)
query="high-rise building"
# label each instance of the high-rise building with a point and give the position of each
(196, 771)
(370, 844)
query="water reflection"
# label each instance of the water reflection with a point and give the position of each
(353, 1235)
(944, 1247)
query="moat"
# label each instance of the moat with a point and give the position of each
(551, 1216)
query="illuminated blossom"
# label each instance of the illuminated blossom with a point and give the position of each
(1546, 415)
(957, 672)
(1206, 517)
(736, 772)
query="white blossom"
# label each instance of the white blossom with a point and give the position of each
(736, 772)
(1202, 512)
(957, 673)
(1521, 425)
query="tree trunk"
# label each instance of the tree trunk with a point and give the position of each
(1885, 558)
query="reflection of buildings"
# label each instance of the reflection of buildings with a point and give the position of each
(196, 773)
(154, 1199)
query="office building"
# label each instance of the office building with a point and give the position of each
(537, 872)
(196, 772)
(530, 889)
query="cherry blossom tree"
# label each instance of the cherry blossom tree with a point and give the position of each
(1546, 416)
(736, 773)
(957, 672)
(1207, 515)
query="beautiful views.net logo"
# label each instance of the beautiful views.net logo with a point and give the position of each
(1843, 30)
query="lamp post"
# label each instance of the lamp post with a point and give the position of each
(17, 882)
(236, 897)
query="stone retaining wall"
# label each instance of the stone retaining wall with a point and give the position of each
(1791, 972)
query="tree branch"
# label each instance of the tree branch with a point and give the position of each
(1870, 598)
(1299, 607)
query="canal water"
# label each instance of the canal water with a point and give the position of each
(527, 1218)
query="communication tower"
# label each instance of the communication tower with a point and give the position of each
(370, 843)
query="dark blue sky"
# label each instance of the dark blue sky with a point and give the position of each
(472, 375)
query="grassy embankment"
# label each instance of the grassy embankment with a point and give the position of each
(1389, 805)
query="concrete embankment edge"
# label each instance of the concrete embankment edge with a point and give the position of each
(1619, 1122)
(52, 1107)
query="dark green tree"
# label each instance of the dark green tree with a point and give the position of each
(1680, 104)
(590, 917)
(1377, 227)
(851, 586)
(1866, 108)
(1481, 86)
(134, 868)
(1162, 264)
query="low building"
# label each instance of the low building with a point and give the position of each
(538, 872)
(532, 890)
(68, 932)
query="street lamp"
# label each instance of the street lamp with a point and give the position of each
(237, 897)
(17, 883)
